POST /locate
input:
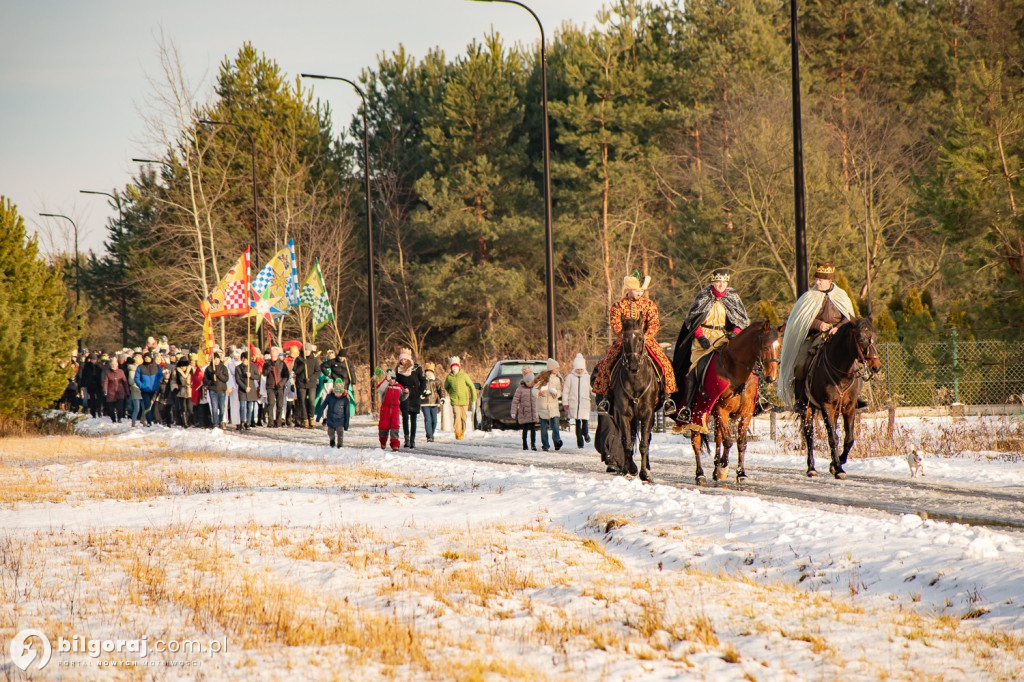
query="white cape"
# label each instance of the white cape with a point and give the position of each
(797, 326)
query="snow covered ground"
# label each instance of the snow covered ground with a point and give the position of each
(469, 569)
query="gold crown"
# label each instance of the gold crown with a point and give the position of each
(720, 276)
(826, 269)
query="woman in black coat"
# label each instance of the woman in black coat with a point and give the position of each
(410, 375)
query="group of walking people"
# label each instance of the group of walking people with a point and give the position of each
(160, 384)
(410, 389)
(537, 402)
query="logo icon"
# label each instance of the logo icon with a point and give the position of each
(22, 652)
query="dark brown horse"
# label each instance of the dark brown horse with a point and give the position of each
(739, 406)
(833, 383)
(635, 395)
(731, 369)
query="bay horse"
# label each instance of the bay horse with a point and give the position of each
(740, 405)
(832, 386)
(635, 395)
(730, 369)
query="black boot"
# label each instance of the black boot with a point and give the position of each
(689, 392)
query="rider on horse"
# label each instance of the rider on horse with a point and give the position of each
(814, 319)
(717, 314)
(635, 305)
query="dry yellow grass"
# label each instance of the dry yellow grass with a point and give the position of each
(413, 600)
(76, 469)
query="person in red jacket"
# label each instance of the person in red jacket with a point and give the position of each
(200, 411)
(391, 394)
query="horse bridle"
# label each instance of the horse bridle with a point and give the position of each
(642, 359)
(758, 368)
(864, 371)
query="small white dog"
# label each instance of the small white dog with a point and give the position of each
(915, 459)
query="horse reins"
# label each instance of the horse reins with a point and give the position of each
(643, 358)
(835, 373)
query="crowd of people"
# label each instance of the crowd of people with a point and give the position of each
(239, 387)
(303, 387)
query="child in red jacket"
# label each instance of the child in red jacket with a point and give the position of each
(391, 394)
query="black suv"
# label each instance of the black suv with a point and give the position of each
(495, 396)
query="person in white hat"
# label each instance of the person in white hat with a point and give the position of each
(461, 393)
(576, 399)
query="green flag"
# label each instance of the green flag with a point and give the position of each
(313, 295)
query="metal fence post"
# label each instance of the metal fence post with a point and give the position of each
(956, 372)
(888, 370)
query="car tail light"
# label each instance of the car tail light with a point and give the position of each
(503, 382)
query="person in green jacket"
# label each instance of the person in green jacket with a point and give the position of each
(461, 392)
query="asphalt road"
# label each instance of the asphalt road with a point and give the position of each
(960, 503)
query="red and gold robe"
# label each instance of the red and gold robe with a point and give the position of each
(645, 310)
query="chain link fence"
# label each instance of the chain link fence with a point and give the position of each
(931, 372)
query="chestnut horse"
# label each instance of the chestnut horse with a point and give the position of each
(740, 406)
(833, 385)
(730, 370)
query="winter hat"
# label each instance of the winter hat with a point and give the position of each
(527, 374)
(552, 365)
(405, 354)
(339, 385)
(454, 361)
(579, 362)
(633, 283)
(310, 348)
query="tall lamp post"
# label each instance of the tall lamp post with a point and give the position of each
(370, 292)
(78, 275)
(549, 253)
(137, 160)
(120, 260)
(255, 207)
(799, 203)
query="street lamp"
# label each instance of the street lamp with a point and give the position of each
(549, 255)
(371, 294)
(120, 260)
(78, 274)
(799, 204)
(255, 208)
(152, 161)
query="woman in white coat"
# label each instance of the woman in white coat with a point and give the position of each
(576, 399)
(548, 386)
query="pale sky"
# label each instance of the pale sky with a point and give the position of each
(74, 75)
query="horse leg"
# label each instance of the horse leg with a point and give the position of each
(646, 426)
(741, 446)
(807, 423)
(849, 433)
(629, 464)
(723, 443)
(829, 417)
(699, 442)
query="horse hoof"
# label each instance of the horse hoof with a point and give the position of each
(702, 480)
(741, 475)
(721, 474)
(841, 475)
(811, 473)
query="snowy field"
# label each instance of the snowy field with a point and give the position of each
(306, 562)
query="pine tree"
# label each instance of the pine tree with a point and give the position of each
(35, 332)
